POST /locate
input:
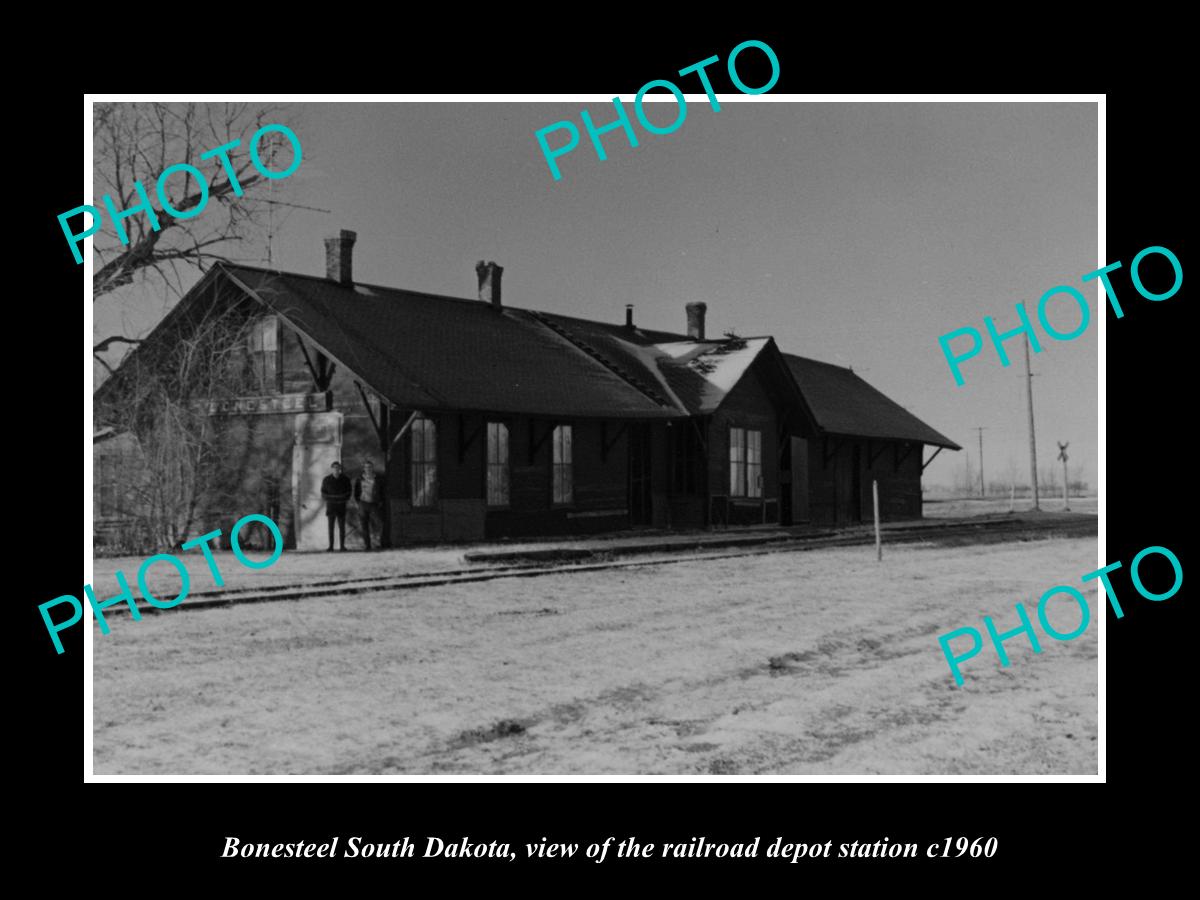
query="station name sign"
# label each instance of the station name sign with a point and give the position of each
(280, 403)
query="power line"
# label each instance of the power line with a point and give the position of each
(271, 212)
(297, 206)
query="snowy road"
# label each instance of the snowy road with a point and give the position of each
(794, 663)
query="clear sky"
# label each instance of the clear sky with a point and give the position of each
(853, 233)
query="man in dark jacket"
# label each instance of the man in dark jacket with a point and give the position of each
(368, 491)
(335, 490)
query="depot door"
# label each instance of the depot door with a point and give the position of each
(639, 475)
(318, 444)
(799, 485)
(856, 497)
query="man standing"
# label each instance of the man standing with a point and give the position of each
(368, 491)
(335, 490)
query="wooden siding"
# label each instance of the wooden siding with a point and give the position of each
(749, 405)
(832, 498)
(258, 459)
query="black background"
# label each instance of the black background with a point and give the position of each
(179, 830)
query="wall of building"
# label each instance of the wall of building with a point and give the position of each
(660, 477)
(832, 496)
(600, 481)
(258, 471)
(899, 488)
(255, 476)
(748, 405)
(257, 459)
(257, 449)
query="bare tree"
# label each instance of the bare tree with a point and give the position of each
(966, 481)
(135, 143)
(1079, 484)
(164, 395)
(1048, 480)
(1011, 480)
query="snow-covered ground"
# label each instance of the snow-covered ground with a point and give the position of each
(959, 507)
(823, 662)
(323, 568)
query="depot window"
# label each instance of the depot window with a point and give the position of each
(497, 464)
(564, 475)
(745, 462)
(264, 354)
(423, 461)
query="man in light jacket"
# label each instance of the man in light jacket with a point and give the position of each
(368, 491)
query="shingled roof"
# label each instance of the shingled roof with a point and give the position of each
(423, 351)
(845, 404)
(695, 376)
(426, 351)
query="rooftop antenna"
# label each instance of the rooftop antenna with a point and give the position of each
(271, 204)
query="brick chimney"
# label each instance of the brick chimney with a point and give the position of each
(628, 315)
(489, 282)
(339, 254)
(695, 317)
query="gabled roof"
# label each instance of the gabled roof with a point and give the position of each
(411, 347)
(845, 404)
(696, 376)
(426, 351)
(704, 373)
(423, 351)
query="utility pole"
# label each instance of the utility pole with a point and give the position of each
(981, 430)
(1032, 439)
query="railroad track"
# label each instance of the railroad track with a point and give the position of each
(518, 565)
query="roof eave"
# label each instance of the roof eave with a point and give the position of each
(945, 443)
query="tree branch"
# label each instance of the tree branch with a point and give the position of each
(115, 339)
(136, 142)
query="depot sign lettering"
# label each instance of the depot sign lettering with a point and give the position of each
(623, 122)
(221, 153)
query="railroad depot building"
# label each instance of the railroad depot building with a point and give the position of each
(493, 421)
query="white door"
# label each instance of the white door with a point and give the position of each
(318, 444)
